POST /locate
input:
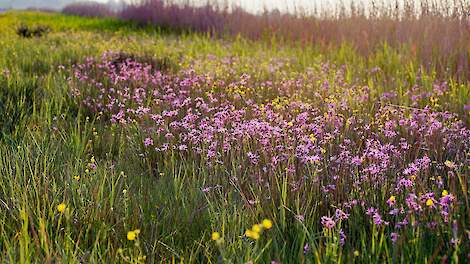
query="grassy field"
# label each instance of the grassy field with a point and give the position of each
(124, 143)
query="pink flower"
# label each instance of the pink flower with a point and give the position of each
(148, 142)
(327, 222)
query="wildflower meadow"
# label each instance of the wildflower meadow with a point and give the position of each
(131, 142)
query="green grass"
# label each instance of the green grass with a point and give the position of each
(46, 140)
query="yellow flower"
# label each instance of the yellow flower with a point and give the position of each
(76, 177)
(449, 164)
(248, 233)
(267, 223)
(257, 228)
(290, 124)
(313, 138)
(252, 234)
(215, 236)
(392, 199)
(87, 171)
(92, 160)
(61, 207)
(445, 193)
(429, 202)
(132, 235)
(356, 253)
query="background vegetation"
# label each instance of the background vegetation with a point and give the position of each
(73, 184)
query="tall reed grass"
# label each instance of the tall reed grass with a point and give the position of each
(434, 33)
(88, 9)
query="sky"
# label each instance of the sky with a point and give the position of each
(251, 5)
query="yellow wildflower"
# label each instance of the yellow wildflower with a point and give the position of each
(257, 228)
(267, 223)
(429, 202)
(252, 234)
(61, 207)
(76, 177)
(445, 193)
(132, 235)
(215, 236)
(449, 164)
(313, 138)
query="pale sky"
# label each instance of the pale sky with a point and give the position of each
(251, 5)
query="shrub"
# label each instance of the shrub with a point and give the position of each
(25, 31)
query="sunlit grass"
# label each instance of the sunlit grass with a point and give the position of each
(76, 188)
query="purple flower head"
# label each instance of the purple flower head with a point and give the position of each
(92, 166)
(148, 142)
(377, 219)
(206, 189)
(327, 222)
(371, 211)
(340, 215)
(342, 237)
(300, 218)
(253, 158)
(306, 248)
